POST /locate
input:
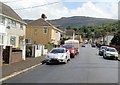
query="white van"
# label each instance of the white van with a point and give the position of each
(75, 43)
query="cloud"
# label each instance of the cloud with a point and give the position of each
(92, 8)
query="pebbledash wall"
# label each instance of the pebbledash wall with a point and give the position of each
(1, 50)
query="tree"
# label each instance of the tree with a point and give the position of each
(116, 39)
(69, 27)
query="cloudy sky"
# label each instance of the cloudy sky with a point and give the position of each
(55, 9)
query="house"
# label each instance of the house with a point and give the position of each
(69, 34)
(41, 31)
(105, 40)
(12, 34)
(12, 27)
(108, 39)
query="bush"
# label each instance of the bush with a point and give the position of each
(28, 51)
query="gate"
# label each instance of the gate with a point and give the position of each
(6, 54)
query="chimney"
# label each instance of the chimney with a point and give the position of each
(43, 16)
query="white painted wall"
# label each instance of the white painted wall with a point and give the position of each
(57, 38)
(2, 28)
(38, 51)
(13, 31)
(108, 39)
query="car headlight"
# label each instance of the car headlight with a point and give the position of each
(116, 55)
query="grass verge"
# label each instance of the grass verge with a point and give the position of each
(119, 56)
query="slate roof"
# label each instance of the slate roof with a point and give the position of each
(8, 11)
(69, 32)
(42, 22)
(39, 22)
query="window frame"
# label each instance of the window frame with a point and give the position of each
(45, 30)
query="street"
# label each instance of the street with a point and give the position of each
(86, 67)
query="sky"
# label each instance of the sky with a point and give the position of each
(55, 9)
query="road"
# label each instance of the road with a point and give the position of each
(87, 67)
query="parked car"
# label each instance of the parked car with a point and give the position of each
(58, 55)
(110, 53)
(71, 50)
(83, 45)
(93, 45)
(101, 50)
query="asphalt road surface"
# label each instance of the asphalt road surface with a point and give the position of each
(87, 67)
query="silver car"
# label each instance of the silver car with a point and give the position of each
(58, 55)
(110, 52)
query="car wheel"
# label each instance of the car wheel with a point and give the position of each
(116, 58)
(47, 63)
(73, 56)
(104, 57)
(69, 59)
(66, 61)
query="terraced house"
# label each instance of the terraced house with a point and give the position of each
(12, 27)
(12, 35)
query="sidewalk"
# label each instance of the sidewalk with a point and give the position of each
(19, 66)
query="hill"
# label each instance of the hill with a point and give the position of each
(77, 21)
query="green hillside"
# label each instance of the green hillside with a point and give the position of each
(77, 21)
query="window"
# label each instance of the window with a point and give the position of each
(1, 39)
(9, 22)
(13, 23)
(2, 20)
(21, 26)
(45, 30)
(28, 41)
(13, 40)
(35, 31)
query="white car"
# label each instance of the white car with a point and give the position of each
(58, 55)
(101, 50)
(110, 52)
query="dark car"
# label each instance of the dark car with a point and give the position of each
(83, 45)
(93, 45)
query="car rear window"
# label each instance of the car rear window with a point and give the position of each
(68, 46)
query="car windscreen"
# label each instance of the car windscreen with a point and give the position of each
(68, 46)
(58, 51)
(111, 50)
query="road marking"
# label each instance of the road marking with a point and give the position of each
(17, 73)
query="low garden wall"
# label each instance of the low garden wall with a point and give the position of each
(16, 56)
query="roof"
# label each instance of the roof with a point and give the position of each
(69, 32)
(42, 22)
(8, 11)
(71, 41)
(38, 22)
